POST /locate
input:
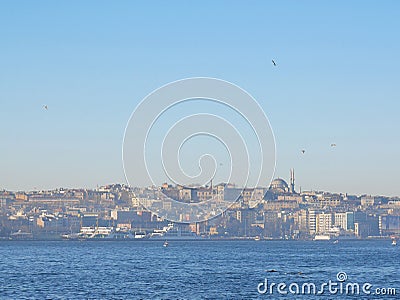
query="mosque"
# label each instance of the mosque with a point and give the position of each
(280, 186)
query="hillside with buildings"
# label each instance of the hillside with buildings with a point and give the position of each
(274, 212)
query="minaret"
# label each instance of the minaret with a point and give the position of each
(292, 181)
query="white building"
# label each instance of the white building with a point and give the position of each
(323, 222)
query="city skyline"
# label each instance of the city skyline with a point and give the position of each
(289, 181)
(92, 65)
(218, 211)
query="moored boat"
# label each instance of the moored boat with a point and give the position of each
(322, 237)
(174, 232)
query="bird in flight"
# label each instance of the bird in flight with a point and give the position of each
(333, 145)
(274, 63)
(45, 107)
(303, 151)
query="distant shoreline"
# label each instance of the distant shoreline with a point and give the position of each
(239, 239)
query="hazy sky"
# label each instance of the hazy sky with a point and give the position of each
(336, 81)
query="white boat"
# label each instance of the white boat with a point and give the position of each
(174, 232)
(100, 233)
(322, 237)
(20, 235)
(71, 236)
(165, 244)
(140, 235)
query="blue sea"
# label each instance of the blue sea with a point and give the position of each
(194, 269)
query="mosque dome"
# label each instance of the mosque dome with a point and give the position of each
(279, 185)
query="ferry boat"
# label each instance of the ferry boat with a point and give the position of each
(102, 233)
(322, 237)
(71, 236)
(173, 232)
(140, 235)
(20, 235)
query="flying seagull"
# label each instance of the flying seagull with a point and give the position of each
(45, 107)
(274, 63)
(333, 145)
(303, 151)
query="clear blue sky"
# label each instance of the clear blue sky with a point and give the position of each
(92, 62)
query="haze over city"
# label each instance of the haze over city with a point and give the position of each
(91, 64)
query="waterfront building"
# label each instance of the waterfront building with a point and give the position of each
(389, 225)
(312, 221)
(323, 223)
(344, 220)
